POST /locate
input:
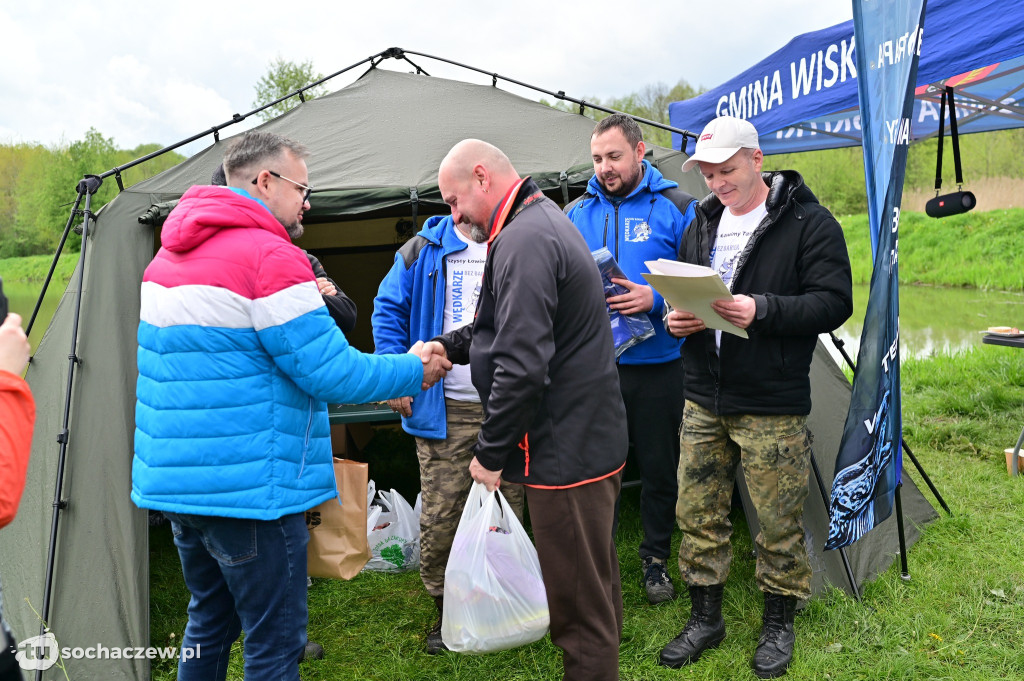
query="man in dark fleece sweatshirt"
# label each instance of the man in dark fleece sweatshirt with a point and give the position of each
(543, 363)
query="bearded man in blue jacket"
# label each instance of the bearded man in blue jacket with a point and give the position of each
(638, 215)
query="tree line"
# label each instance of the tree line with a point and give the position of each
(38, 185)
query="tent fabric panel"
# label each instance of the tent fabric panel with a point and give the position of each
(394, 128)
(349, 203)
(24, 543)
(102, 565)
(102, 528)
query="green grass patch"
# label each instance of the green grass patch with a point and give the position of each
(33, 268)
(981, 250)
(961, 617)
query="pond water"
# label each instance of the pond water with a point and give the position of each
(935, 321)
(932, 320)
(21, 298)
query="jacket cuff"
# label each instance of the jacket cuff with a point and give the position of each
(760, 307)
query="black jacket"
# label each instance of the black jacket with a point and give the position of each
(796, 268)
(542, 355)
(341, 307)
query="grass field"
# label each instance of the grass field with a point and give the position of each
(960, 617)
(982, 250)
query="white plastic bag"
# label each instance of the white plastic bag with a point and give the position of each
(494, 596)
(393, 532)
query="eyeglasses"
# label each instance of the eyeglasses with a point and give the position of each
(306, 190)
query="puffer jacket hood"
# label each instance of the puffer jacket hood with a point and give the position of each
(196, 218)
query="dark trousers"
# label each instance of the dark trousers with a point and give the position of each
(653, 395)
(573, 532)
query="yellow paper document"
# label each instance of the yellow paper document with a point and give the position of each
(692, 288)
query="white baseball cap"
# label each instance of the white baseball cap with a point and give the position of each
(722, 138)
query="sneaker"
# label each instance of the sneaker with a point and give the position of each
(656, 581)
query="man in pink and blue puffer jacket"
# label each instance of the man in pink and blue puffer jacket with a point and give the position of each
(237, 358)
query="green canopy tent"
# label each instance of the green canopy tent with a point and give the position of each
(376, 147)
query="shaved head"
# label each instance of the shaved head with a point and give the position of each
(469, 153)
(473, 179)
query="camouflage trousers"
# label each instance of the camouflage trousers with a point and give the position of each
(445, 484)
(774, 453)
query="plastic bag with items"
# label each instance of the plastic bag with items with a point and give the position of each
(392, 531)
(494, 596)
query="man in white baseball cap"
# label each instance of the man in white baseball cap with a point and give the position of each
(783, 257)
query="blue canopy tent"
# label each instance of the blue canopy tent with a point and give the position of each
(804, 96)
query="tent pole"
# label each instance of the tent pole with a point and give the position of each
(840, 346)
(842, 550)
(904, 572)
(86, 187)
(397, 52)
(53, 265)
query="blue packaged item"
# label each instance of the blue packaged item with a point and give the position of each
(627, 329)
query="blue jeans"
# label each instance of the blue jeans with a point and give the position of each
(243, 575)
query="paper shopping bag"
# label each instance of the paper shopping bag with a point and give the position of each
(337, 531)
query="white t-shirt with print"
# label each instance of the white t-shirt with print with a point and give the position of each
(465, 270)
(733, 234)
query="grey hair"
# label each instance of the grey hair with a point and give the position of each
(630, 130)
(254, 148)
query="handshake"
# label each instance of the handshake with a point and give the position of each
(435, 367)
(435, 361)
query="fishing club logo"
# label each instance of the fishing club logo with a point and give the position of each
(637, 230)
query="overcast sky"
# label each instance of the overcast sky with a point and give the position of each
(160, 72)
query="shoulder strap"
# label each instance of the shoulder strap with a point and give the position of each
(410, 250)
(572, 204)
(678, 197)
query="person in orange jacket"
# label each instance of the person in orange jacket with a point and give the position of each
(17, 417)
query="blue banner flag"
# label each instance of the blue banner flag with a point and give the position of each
(870, 462)
(804, 95)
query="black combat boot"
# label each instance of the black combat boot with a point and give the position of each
(775, 648)
(434, 643)
(703, 631)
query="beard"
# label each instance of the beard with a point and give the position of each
(478, 233)
(627, 182)
(295, 230)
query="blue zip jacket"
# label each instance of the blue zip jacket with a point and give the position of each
(410, 307)
(645, 225)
